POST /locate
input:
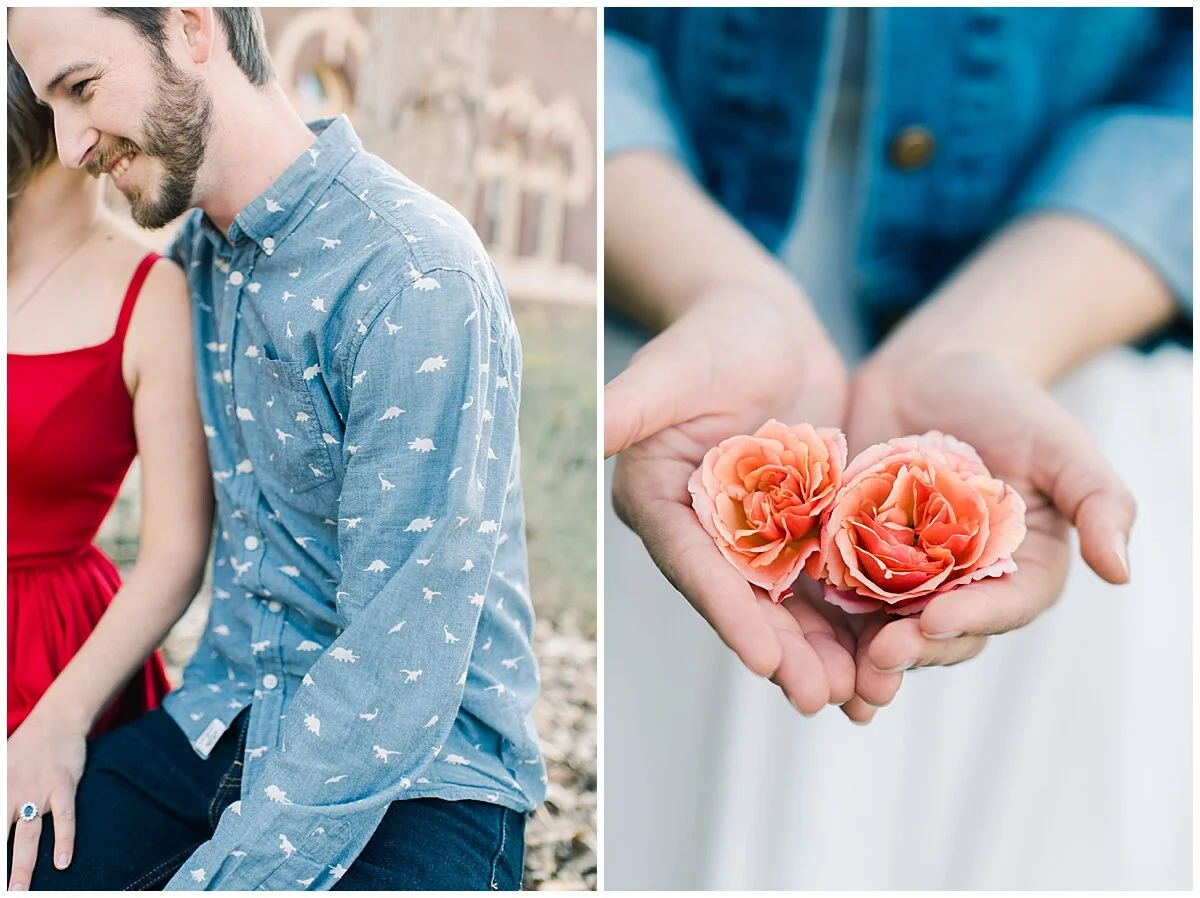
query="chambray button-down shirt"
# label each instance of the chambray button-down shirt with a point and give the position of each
(359, 375)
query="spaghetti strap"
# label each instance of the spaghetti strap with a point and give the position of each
(131, 294)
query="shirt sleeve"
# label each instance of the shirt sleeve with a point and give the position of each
(639, 111)
(1128, 167)
(429, 441)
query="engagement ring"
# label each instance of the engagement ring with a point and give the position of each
(29, 811)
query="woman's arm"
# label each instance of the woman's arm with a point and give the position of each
(176, 511)
(1045, 294)
(739, 344)
(729, 320)
(46, 753)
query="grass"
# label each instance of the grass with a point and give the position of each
(558, 446)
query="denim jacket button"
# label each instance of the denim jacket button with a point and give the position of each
(911, 148)
(270, 681)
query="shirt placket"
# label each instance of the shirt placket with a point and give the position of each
(250, 541)
(244, 542)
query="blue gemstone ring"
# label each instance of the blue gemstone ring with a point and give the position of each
(29, 811)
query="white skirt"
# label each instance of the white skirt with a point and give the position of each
(1060, 758)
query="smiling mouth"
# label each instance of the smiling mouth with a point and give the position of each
(118, 168)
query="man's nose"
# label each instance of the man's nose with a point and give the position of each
(77, 139)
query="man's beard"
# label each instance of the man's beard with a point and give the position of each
(176, 129)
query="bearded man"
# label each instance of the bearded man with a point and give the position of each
(359, 711)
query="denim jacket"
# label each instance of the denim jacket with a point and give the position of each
(1087, 111)
(359, 377)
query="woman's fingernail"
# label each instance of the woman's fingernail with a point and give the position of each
(898, 668)
(1121, 547)
(952, 634)
(16, 887)
(62, 860)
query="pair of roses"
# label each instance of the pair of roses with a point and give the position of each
(902, 522)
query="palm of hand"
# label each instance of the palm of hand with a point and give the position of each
(700, 390)
(1028, 441)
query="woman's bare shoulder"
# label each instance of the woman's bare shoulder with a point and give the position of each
(160, 330)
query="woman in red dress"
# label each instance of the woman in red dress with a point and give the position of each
(99, 370)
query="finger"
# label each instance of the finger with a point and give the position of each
(901, 646)
(62, 809)
(24, 856)
(859, 711)
(1069, 469)
(695, 567)
(800, 674)
(836, 659)
(654, 392)
(992, 606)
(871, 684)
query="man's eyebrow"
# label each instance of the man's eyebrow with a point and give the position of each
(66, 72)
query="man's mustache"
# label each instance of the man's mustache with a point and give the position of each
(104, 159)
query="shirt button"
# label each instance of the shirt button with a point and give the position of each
(236, 278)
(270, 681)
(912, 148)
(250, 542)
(275, 606)
(268, 243)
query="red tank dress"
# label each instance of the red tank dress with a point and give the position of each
(70, 444)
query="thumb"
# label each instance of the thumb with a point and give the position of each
(1085, 489)
(656, 391)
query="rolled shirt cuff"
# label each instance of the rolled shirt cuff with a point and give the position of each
(1128, 170)
(639, 113)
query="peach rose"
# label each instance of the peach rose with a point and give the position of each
(761, 499)
(917, 516)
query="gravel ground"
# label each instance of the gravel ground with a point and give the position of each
(560, 839)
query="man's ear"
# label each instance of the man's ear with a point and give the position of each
(197, 26)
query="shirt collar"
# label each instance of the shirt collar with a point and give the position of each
(275, 213)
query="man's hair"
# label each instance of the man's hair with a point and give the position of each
(31, 144)
(243, 26)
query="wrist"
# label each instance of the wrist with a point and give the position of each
(1045, 294)
(61, 716)
(668, 244)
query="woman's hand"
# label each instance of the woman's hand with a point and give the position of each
(734, 359)
(45, 763)
(1026, 439)
(1042, 296)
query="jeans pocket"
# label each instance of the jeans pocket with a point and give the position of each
(509, 860)
(155, 878)
(229, 789)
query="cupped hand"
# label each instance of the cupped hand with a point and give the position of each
(45, 763)
(1025, 438)
(734, 360)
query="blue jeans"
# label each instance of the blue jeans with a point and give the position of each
(147, 801)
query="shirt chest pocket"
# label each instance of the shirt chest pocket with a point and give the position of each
(280, 428)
